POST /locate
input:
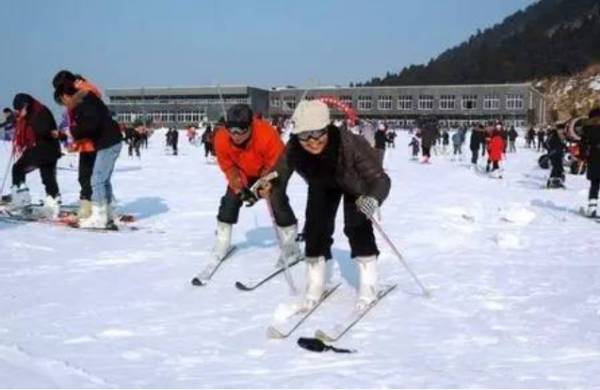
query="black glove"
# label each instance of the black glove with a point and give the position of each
(248, 197)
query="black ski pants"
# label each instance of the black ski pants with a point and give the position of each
(474, 156)
(556, 159)
(594, 189)
(86, 167)
(229, 208)
(321, 209)
(28, 163)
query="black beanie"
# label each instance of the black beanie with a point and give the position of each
(20, 100)
(240, 116)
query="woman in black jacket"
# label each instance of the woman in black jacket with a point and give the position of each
(93, 121)
(335, 163)
(36, 143)
(590, 143)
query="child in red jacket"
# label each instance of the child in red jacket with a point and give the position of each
(495, 149)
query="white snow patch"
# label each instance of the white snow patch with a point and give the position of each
(507, 240)
(517, 214)
(115, 333)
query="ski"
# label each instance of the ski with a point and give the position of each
(249, 287)
(276, 332)
(207, 273)
(343, 327)
(67, 220)
(582, 212)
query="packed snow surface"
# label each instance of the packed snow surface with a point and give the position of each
(514, 273)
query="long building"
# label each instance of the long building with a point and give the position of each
(517, 104)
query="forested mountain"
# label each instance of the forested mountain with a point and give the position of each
(548, 38)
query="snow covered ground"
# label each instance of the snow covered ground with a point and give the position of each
(514, 273)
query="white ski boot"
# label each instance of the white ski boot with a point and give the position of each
(367, 281)
(315, 282)
(98, 218)
(290, 251)
(84, 210)
(51, 207)
(20, 197)
(223, 241)
(592, 209)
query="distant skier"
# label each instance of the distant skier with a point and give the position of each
(414, 144)
(133, 138)
(457, 141)
(390, 137)
(495, 151)
(207, 141)
(8, 124)
(173, 139)
(380, 141)
(336, 164)
(541, 139)
(476, 141)
(445, 141)
(530, 138)
(512, 139)
(247, 148)
(429, 135)
(94, 121)
(556, 152)
(37, 145)
(590, 143)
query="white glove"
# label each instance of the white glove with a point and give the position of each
(367, 205)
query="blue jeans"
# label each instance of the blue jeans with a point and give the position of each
(103, 168)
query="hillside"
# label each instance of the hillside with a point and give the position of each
(548, 38)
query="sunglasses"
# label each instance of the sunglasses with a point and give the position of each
(312, 134)
(239, 130)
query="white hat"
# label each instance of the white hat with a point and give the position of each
(310, 115)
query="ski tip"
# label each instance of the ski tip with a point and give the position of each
(273, 333)
(319, 334)
(241, 286)
(197, 282)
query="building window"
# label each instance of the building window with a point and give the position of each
(469, 102)
(346, 100)
(405, 102)
(447, 102)
(425, 102)
(365, 103)
(491, 102)
(514, 102)
(275, 101)
(384, 103)
(289, 103)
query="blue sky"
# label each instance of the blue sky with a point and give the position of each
(204, 42)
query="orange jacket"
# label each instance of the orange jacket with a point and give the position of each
(258, 155)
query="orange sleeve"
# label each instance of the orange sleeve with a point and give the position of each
(273, 146)
(235, 178)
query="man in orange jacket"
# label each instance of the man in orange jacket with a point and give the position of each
(246, 149)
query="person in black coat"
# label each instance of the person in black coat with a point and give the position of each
(173, 139)
(94, 121)
(36, 142)
(556, 152)
(590, 142)
(512, 139)
(475, 142)
(336, 164)
(380, 141)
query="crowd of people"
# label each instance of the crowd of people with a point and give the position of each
(337, 159)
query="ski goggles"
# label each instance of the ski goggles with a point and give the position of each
(239, 130)
(311, 134)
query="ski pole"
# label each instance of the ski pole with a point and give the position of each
(426, 292)
(10, 159)
(286, 272)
